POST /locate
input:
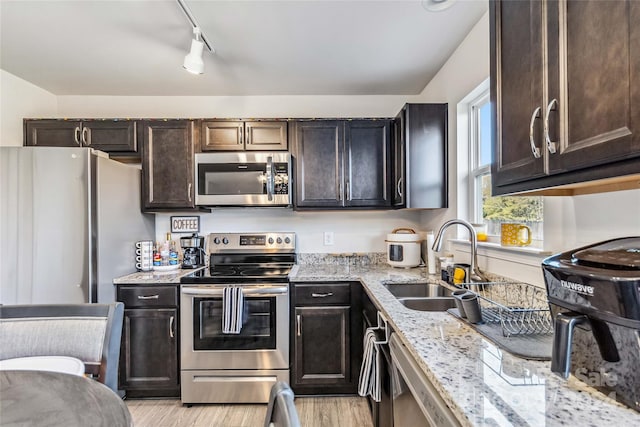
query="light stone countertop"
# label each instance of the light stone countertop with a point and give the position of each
(154, 277)
(483, 385)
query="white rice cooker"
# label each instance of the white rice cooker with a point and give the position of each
(403, 248)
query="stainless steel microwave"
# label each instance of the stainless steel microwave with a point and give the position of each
(243, 179)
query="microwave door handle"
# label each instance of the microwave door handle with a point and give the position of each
(270, 179)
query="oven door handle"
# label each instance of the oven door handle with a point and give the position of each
(248, 292)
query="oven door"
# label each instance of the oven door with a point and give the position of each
(242, 179)
(262, 342)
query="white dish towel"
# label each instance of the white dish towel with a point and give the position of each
(232, 307)
(369, 384)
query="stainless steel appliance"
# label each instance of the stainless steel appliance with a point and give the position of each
(70, 218)
(217, 367)
(193, 255)
(594, 296)
(416, 402)
(243, 179)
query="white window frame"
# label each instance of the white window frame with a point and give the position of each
(475, 171)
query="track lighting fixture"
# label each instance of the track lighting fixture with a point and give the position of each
(193, 62)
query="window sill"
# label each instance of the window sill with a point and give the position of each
(525, 250)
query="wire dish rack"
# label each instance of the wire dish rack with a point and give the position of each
(520, 308)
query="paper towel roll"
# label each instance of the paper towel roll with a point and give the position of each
(431, 256)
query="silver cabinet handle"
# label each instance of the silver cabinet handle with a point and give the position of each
(171, 319)
(86, 136)
(339, 188)
(148, 296)
(327, 294)
(189, 191)
(551, 146)
(76, 135)
(535, 150)
(299, 325)
(399, 187)
(248, 135)
(240, 136)
(346, 189)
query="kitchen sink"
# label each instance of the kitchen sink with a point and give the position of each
(429, 303)
(417, 290)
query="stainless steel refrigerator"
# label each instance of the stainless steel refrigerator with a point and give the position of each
(69, 221)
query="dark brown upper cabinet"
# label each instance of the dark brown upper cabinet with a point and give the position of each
(228, 135)
(420, 157)
(342, 163)
(114, 136)
(571, 113)
(168, 165)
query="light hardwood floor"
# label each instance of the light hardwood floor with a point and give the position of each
(312, 411)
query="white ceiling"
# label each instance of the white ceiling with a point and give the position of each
(266, 47)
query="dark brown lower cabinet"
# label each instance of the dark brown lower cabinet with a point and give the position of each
(149, 349)
(326, 338)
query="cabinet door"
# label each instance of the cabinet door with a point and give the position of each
(222, 135)
(321, 346)
(52, 133)
(167, 165)
(111, 135)
(398, 161)
(426, 156)
(149, 353)
(319, 169)
(266, 136)
(367, 163)
(594, 77)
(517, 90)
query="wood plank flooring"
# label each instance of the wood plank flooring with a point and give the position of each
(312, 411)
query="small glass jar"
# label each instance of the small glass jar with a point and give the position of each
(481, 232)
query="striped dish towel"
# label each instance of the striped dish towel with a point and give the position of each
(369, 384)
(232, 307)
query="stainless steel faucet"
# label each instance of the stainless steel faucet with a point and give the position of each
(476, 274)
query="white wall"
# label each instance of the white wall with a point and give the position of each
(570, 222)
(230, 106)
(354, 231)
(20, 99)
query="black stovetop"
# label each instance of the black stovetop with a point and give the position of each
(243, 268)
(237, 274)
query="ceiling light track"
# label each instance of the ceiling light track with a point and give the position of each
(195, 24)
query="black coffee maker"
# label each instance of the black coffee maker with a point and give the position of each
(193, 251)
(594, 296)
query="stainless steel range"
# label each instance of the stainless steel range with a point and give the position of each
(222, 367)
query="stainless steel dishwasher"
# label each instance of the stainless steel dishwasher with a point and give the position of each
(416, 402)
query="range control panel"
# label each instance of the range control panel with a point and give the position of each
(252, 242)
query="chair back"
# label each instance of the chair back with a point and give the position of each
(281, 411)
(89, 332)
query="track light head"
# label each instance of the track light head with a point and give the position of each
(193, 62)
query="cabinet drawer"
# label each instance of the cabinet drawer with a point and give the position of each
(322, 294)
(148, 296)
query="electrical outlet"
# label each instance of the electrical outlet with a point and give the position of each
(328, 238)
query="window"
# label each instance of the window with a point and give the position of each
(485, 209)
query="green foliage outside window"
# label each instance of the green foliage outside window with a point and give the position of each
(507, 208)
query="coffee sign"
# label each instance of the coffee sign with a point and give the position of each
(185, 224)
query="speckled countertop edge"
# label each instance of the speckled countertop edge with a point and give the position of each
(483, 385)
(154, 277)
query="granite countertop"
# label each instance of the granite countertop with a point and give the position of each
(154, 277)
(483, 385)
